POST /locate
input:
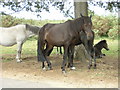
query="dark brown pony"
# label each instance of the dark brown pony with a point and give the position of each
(98, 48)
(89, 42)
(90, 45)
(68, 34)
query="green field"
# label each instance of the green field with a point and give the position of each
(30, 49)
(109, 30)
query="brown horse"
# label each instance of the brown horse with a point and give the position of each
(90, 45)
(68, 34)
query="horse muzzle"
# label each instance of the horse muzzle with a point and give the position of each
(89, 35)
(107, 49)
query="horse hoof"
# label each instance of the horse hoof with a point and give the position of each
(104, 55)
(49, 68)
(18, 61)
(89, 66)
(64, 73)
(72, 68)
(44, 69)
(94, 66)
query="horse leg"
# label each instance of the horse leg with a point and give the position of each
(43, 66)
(89, 53)
(90, 60)
(64, 58)
(48, 48)
(71, 58)
(101, 54)
(94, 57)
(19, 50)
(49, 52)
(68, 58)
(87, 47)
(57, 51)
(89, 50)
(61, 50)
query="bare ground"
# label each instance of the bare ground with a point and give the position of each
(105, 76)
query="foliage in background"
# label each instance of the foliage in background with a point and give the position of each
(8, 21)
(38, 6)
(102, 26)
(106, 26)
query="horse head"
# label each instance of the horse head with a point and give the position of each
(87, 26)
(105, 45)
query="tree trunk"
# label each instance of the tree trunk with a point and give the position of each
(80, 7)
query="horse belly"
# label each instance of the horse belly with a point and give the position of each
(7, 41)
(56, 39)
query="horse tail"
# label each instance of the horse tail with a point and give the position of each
(40, 44)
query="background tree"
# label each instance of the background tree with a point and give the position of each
(80, 7)
(41, 5)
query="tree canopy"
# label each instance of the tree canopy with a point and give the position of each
(111, 5)
(41, 5)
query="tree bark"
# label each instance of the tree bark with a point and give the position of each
(80, 7)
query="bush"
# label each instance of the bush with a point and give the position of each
(102, 26)
(113, 33)
(8, 21)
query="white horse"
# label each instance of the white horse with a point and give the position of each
(17, 35)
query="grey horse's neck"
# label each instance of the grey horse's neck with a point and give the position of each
(33, 29)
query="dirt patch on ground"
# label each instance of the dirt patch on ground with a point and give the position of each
(105, 76)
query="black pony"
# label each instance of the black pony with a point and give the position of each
(68, 34)
(98, 48)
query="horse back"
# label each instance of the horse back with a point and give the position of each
(17, 28)
(10, 36)
(59, 33)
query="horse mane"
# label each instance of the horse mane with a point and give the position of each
(98, 45)
(102, 41)
(76, 25)
(34, 29)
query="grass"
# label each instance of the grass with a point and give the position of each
(30, 48)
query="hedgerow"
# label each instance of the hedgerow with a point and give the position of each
(102, 26)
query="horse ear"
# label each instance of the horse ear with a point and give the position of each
(26, 25)
(81, 14)
(104, 40)
(90, 16)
